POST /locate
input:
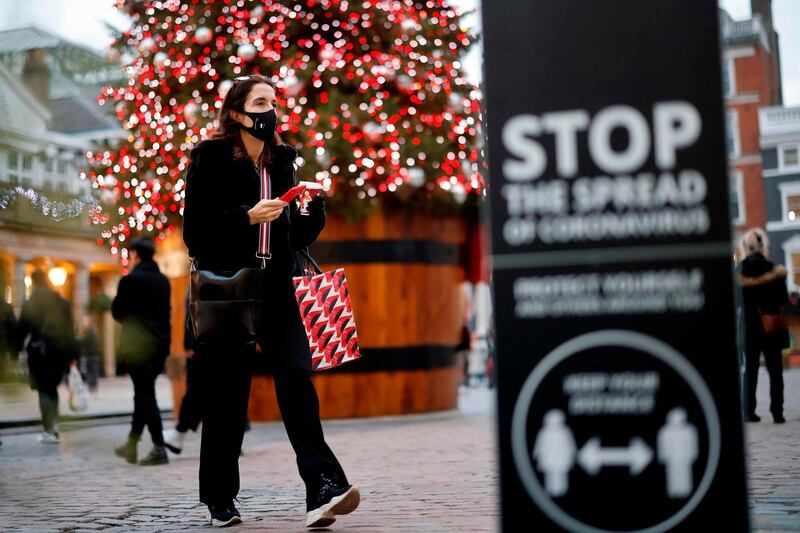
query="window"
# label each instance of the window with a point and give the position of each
(732, 133)
(795, 257)
(48, 185)
(728, 77)
(737, 197)
(793, 207)
(61, 167)
(48, 164)
(790, 200)
(789, 157)
(20, 167)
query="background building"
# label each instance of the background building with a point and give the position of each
(751, 80)
(49, 118)
(780, 146)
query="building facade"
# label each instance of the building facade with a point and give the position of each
(49, 118)
(751, 80)
(780, 146)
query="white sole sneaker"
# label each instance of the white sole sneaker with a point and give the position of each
(48, 438)
(221, 523)
(173, 441)
(343, 504)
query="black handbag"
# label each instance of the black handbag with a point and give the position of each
(225, 307)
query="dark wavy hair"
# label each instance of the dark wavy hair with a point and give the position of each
(229, 128)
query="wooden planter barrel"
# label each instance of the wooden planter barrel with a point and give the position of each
(404, 274)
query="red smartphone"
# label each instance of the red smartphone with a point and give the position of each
(293, 193)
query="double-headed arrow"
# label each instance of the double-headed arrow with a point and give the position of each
(636, 456)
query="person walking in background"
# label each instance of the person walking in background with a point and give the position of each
(482, 319)
(142, 306)
(46, 320)
(764, 293)
(222, 222)
(8, 333)
(90, 353)
(190, 414)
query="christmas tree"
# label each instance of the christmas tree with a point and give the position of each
(371, 93)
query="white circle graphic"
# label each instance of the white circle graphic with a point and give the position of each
(628, 339)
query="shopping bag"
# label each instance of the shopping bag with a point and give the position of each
(327, 313)
(78, 396)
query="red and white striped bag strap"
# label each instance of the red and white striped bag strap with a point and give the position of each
(264, 228)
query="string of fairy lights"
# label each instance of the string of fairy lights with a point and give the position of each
(372, 93)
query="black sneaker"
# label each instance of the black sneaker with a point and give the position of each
(753, 418)
(127, 451)
(223, 515)
(779, 419)
(157, 456)
(332, 500)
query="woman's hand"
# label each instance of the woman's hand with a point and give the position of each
(266, 211)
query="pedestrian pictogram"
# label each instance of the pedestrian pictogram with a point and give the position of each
(677, 449)
(554, 453)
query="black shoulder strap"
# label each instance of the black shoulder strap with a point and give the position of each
(305, 254)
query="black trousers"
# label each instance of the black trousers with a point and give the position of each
(771, 345)
(145, 407)
(48, 405)
(191, 409)
(228, 371)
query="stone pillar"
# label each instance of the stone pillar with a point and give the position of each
(18, 284)
(80, 292)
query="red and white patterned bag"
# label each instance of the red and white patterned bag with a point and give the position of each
(327, 314)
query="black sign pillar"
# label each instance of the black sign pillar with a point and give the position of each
(619, 403)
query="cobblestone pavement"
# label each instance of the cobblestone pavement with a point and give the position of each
(774, 460)
(114, 395)
(420, 473)
(433, 472)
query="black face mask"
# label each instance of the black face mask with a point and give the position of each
(263, 124)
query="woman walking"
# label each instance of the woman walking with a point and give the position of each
(763, 294)
(226, 227)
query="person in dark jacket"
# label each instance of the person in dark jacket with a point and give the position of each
(47, 319)
(142, 306)
(90, 353)
(764, 293)
(8, 336)
(224, 218)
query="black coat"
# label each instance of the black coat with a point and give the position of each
(47, 318)
(142, 306)
(216, 227)
(766, 297)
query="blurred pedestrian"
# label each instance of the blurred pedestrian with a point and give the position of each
(142, 306)
(8, 336)
(90, 353)
(482, 320)
(46, 319)
(227, 226)
(190, 413)
(794, 299)
(764, 294)
(8, 333)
